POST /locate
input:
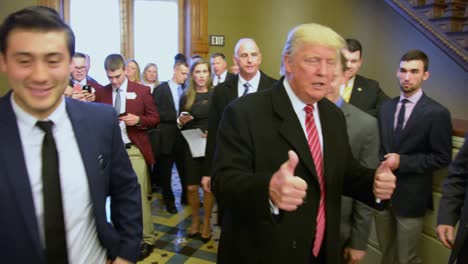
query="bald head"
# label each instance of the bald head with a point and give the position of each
(248, 57)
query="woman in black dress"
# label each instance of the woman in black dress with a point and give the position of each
(194, 107)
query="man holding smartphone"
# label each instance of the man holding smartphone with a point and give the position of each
(137, 113)
(83, 86)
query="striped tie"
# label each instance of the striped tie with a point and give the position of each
(316, 151)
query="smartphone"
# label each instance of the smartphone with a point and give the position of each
(87, 88)
(123, 114)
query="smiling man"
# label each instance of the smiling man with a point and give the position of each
(55, 174)
(417, 132)
(280, 190)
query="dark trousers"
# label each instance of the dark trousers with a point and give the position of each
(164, 167)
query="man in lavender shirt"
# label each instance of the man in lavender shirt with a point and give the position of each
(416, 131)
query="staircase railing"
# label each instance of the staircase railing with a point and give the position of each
(433, 31)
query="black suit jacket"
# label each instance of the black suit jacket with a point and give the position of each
(453, 205)
(223, 94)
(425, 146)
(168, 132)
(367, 95)
(255, 134)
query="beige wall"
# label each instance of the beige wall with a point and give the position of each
(385, 36)
(7, 7)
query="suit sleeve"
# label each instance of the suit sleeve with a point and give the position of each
(454, 189)
(440, 144)
(125, 198)
(235, 184)
(362, 215)
(150, 118)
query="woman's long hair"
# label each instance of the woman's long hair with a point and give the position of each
(191, 91)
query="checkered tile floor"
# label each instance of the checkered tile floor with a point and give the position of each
(173, 246)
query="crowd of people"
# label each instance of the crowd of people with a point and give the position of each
(299, 166)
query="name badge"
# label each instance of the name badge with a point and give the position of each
(131, 95)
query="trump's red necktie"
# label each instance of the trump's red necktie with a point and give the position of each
(316, 151)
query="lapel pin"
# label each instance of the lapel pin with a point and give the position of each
(359, 89)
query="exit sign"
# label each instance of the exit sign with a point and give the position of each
(216, 40)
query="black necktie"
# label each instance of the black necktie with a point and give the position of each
(400, 122)
(54, 227)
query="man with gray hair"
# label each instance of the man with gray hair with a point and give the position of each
(249, 80)
(281, 159)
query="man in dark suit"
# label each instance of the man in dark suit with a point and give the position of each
(219, 68)
(453, 207)
(248, 56)
(91, 165)
(363, 132)
(137, 113)
(167, 97)
(416, 131)
(360, 91)
(281, 199)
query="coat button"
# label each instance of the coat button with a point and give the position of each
(293, 244)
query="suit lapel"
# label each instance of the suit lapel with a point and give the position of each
(356, 94)
(16, 173)
(263, 84)
(389, 119)
(291, 129)
(329, 134)
(232, 88)
(418, 112)
(86, 144)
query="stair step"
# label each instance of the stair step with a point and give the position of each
(449, 24)
(460, 37)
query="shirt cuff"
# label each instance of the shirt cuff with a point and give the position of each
(273, 208)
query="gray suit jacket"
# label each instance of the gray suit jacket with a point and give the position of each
(356, 218)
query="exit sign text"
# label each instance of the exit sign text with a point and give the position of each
(216, 40)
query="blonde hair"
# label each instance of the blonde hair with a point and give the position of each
(311, 34)
(191, 92)
(146, 68)
(138, 72)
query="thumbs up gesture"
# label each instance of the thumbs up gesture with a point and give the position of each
(384, 182)
(287, 191)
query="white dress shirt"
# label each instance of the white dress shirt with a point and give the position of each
(82, 240)
(254, 82)
(123, 108)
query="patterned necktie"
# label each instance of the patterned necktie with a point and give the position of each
(77, 87)
(400, 122)
(316, 151)
(246, 88)
(346, 94)
(117, 101)
(54, 224)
